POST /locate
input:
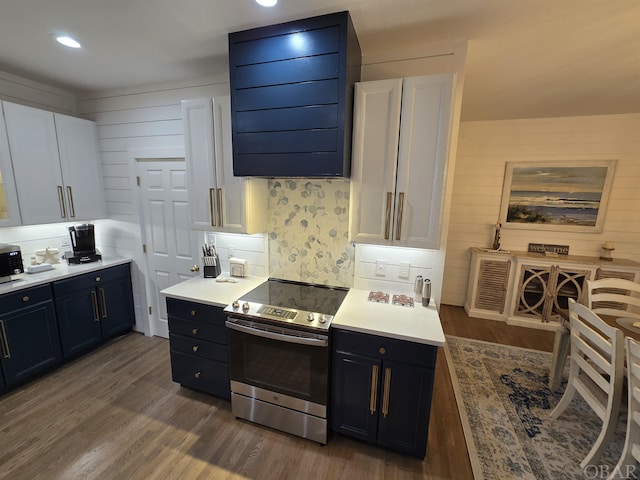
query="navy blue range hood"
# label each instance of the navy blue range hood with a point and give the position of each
(292, 97)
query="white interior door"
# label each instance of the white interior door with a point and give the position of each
(171, 246)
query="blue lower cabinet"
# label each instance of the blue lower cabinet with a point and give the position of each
(381, 390)
(199, 345)
(93, 307)
(29, 340)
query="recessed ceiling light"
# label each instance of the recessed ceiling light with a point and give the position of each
(67, 41)
(267, 3)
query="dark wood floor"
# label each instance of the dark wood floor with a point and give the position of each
(116, 414)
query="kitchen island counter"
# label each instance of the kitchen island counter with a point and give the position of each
(415, 324)
(210, 292)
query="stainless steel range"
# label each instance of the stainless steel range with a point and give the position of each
(279, 355)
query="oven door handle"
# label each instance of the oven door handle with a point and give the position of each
(312, 342)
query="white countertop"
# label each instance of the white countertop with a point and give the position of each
(416, 324)
(211, 292)
(60, 271)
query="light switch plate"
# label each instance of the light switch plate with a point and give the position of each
(404, 269)
(381, 268)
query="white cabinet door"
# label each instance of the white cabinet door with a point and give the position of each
(36, 165)
(218, 201)
(197, 117)
(400, 148)
(80, 163)
(9, 210)
(425, 128)
(376, 122)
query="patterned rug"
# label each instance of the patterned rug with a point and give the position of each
(504, 405)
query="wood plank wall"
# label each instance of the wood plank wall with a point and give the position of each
(483, 150)
(35, 94)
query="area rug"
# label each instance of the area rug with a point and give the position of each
(504, 406)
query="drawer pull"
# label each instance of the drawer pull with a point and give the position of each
(25, 298)
(103, 300)
(195, 348)
(5, 341)
(194, 331)
(197, 374)
(193, 313)
(97, 279)
(373, 399)
(94, 302)
(387, 391)
(382, 351)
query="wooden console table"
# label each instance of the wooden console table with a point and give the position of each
(532, 289)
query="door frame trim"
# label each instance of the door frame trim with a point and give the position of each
(135, 156)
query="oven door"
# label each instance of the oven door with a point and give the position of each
(267, 358)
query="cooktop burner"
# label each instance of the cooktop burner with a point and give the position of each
(296, 303)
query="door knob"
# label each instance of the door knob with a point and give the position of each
(195, 268)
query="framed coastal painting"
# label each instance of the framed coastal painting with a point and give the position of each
(560, 196)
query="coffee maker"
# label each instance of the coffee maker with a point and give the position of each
(83, 242)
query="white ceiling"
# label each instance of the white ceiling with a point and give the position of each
(526, 58)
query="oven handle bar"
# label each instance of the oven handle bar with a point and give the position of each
(313, 342)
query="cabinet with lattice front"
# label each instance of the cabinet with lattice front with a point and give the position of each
(489, 284)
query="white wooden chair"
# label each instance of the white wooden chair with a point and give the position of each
(596, 373)
(615, 297)
(627, 464)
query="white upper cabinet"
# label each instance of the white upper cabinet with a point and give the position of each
(218, 201)
(401, 137)
(56, 165)
(9, 210)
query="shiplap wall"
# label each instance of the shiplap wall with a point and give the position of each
(34, 94)
(483, 150)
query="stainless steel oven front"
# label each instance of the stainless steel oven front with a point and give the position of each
(279, 376)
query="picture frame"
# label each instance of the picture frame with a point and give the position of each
(556, 195)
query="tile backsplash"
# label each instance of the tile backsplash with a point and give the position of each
(309, 231)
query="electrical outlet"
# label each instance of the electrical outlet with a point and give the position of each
(404, 269)
(231, 251)
(381, 268)
(64, 240)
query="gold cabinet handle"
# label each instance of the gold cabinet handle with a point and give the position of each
(94, 302)
(373, 399)
(219, 206)
(103, 300)
(197, 374)
(385, 395)
(195, 348)
(399, 215)
(72, 209)
(387, 223)
(212, 211)
(192, 313)
(195, 268)
(25, 298)
(194, 331)
(63, 210)
(6, 353)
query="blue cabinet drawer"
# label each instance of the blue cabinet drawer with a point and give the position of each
(200, 348)
(93, 279)
(385, 348)
(201, 374)
(198, 330)
(25, 298)
(210, 314)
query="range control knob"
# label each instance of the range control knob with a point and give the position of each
(245, 307)
(323, 318)
(310, 317)
(235, 304)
